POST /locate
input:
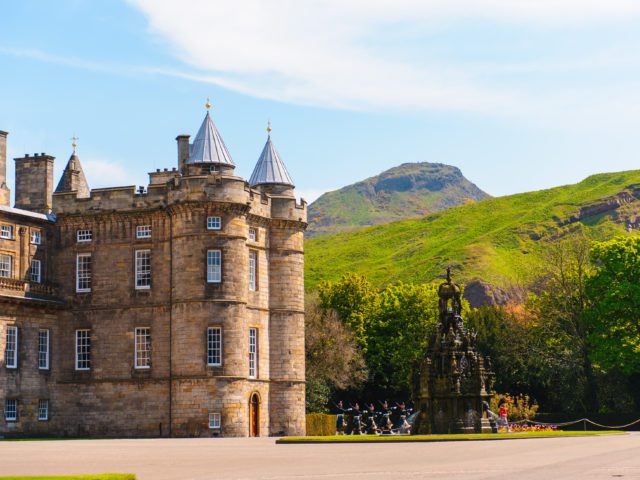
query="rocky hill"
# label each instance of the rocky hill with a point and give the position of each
(496, 245)
(411, 190)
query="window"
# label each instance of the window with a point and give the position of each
(11, 409)
(84, 236)
(43, 349)
(253, 266)
(143, 269)
(83, 272)
(6, 231)
(83, 349)
(143, 347)
(36, 269)
(214, 266)
(214, 420)
(214, 223)
(253, 353)
(214, 346)
(43, 410)
(36, 237)
(143, 231)
(253, 235)
(5, 265)
(11, 347)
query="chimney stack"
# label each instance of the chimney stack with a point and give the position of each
(183, 152)
(34, 183)
(5, 193)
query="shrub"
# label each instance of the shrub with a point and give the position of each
(519, 407)
(320, 424)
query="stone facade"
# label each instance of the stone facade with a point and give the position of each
(178, 389)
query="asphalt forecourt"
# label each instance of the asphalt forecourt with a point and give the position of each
(442, 438)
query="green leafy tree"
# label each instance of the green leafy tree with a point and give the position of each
(355, 300)
(399, 334)
(614, 314)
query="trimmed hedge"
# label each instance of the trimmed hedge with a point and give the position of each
(320, 424)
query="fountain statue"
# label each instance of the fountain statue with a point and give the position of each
(453, 379)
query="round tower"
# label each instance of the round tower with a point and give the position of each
(286, 293)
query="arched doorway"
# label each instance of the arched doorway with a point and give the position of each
(254, 415)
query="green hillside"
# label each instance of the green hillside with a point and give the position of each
(411, 190)
(498, 240)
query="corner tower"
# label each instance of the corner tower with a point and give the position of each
(286, 293)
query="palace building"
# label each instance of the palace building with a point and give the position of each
(171, 310)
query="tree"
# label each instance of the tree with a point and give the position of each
(614, 315)
(560, 322)
(333, 359)
(356, 302)
(400, 332)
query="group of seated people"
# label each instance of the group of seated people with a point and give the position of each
(386, 420)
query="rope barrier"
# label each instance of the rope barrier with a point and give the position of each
(573, 422)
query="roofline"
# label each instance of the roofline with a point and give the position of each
(27, 213)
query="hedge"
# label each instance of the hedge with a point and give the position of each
(320, 424)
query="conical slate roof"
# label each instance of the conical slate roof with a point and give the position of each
(270, 168)
(73, 179)
(208, 146)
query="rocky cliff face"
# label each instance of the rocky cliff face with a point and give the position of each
(410, 190)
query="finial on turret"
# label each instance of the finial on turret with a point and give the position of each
(74, 141)
(269, 127)
(208, 104)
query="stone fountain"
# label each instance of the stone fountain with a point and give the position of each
(453, 379)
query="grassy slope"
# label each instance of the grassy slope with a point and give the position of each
(494, 239)
(410, 190)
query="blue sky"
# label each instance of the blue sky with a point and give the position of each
(521, 95)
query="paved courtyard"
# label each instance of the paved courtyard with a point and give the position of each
(548, 459)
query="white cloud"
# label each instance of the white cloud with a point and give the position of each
(317, 53)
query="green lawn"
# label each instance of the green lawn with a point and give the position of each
(104, 476)
(442, 438)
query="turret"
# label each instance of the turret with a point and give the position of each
(270, 173)
(73, 179)
(5, 193)
(207, 153)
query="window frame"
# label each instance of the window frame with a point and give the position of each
(36, 237)
(253, 270)
(6, 259)
(43, 402)
(14, 332)
(212, 344)
(215, 421)
(253, 353)
(7, 418)
(214, 275)
(44, 353)
(38, 277)
(143, 332)
(143, 231)
(253, 234)
(6, 231)
(214, 223)
(87, 276)
(140, 273)
(87, 346)
(84, 235)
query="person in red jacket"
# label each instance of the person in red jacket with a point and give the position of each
(504, 421)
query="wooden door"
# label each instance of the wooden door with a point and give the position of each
(254, 416)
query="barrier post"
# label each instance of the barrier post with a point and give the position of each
(584, 424)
